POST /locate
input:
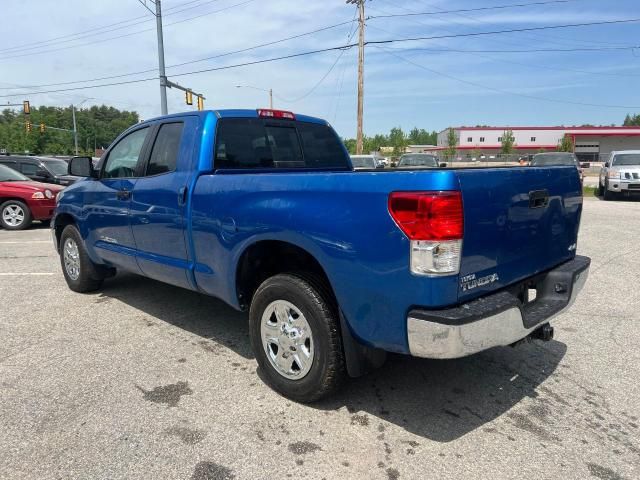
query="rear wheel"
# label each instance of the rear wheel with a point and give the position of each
(296, 338)
(15, 215)
(81, 274)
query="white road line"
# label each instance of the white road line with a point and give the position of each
(25, 274)
(27, 241)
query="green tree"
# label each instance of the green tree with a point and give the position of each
(565, 144)
(397, 140)
(508, 142)
(97, 125)
(632, 120)
(452, 143)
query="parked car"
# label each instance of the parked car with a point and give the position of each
(263, 210)
(418, 160)
(365, 162)
(23, 200)
(549, 159)
(40, 169)
(620, 174)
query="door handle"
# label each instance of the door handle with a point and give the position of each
(123, 195)
(182, 196)
(538, 199)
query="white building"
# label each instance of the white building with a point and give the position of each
(589, 142)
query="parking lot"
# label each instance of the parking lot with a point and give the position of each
(145, 380)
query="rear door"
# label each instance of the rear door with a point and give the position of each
(159, 200)
(109, 199)
(518, 222)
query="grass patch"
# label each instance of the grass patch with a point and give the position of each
(589, 191)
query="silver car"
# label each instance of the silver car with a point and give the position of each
(620, 174)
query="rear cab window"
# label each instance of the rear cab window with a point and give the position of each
(256, 143)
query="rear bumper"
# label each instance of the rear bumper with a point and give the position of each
(499, 319)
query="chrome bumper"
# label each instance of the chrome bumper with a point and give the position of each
(435, 339)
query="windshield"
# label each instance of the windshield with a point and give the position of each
(418, 161)
(57, 167)
(10, 175)
(626, 159)
(553, 159)
(363, 162)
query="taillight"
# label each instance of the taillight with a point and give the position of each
(434, 223)
(281, 114)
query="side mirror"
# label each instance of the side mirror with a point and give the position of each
(443, 165)
(82, 167)
(41, 172)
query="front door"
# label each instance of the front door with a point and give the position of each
(158, 203)
(108, 201)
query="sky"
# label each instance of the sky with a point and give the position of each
(579, 75)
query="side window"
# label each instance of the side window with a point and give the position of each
(164, 155)
(123, 158)
(322, 147)
(242, 143)
(28, 168)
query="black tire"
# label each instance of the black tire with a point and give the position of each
(11, 223)
(89, 276)
(607, 195)
(600, 190)
(311, 297)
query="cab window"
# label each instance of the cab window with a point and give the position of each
(123, 158)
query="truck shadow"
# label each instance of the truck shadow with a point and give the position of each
(438, 400)
(443, 400)
(206, 317)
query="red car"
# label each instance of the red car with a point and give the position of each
(22, 200)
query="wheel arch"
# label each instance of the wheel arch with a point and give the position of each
(61, 221)
(266, 258)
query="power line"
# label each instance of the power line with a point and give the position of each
(126, 34)
(512, 30)
(374, 43)
(242, 50)
(96, 30)
(333, 65)
(499, 90)
(464, 10)
(226, 67)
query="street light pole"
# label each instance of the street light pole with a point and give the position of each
(75, 128)
(270, 92)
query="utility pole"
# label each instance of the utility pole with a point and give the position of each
(271, 98)
(359, 137)
(163, 76)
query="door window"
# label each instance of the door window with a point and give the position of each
(28, 169)
(123, 158)
(164, 155)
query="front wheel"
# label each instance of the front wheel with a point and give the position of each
(607, 195)
(295, 337)
(15, 215)
(81, 274)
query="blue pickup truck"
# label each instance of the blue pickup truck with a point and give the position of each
(263, 210)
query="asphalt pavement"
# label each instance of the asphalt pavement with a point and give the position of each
(145, 380)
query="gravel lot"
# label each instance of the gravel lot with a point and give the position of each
(144, 380)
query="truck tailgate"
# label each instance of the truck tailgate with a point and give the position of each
(518, 222)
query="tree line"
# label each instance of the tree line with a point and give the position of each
(632, 120)
(397, 138)
(97, 126)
